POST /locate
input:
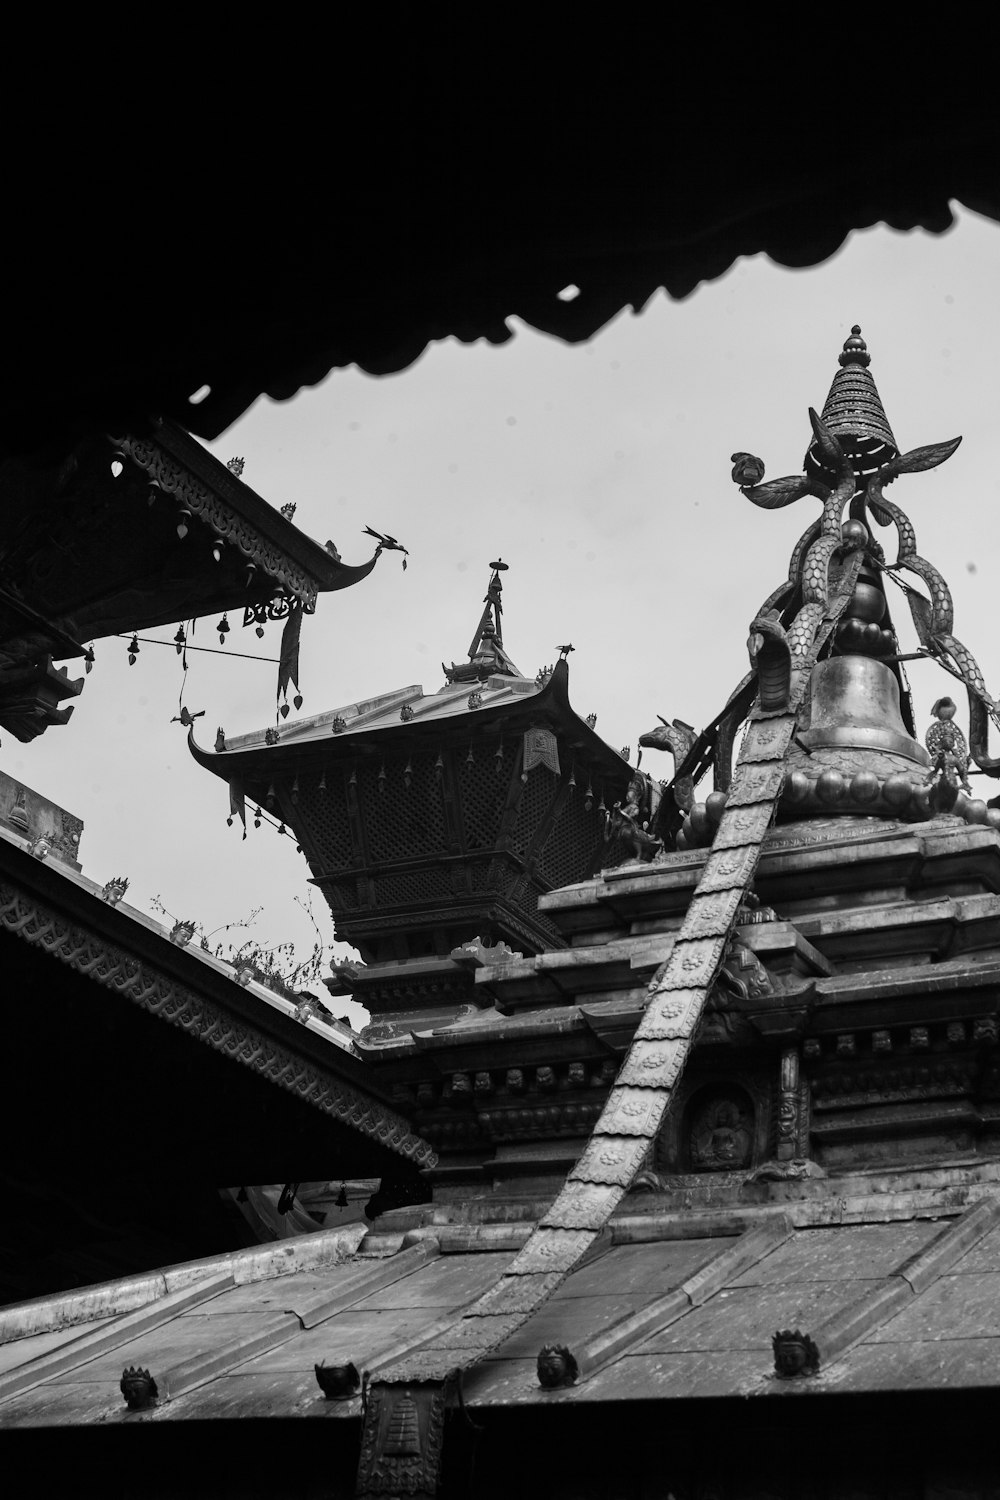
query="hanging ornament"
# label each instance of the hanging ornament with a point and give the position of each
(270, 798)
(256, 818)
(260, 632)
(439, 767)
(216, 551)
(572, 779)
(223, 628)
(180, 640)
(295, 790)
(342, 1196)
(284, 710)
(133, 650)
(281, 828)
(229, 822)
(182, 526)
(298, 701)
(88, 659)
(322, 783)
(498, 757)
(588, 799)
(251, 570)
(470, 759)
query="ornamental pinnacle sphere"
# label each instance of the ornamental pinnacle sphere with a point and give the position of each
(853, 413)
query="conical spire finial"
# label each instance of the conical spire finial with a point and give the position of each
(486, 654)
(854, 413)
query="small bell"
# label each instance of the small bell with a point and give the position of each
(256, 818)
(216, 551)
(260, 632)
(295, 790)
(408, 775)
(342, 1196)
(223, 628)
(322, 783)
(88, 660)
(182, 526)
(281, 828)
(180, 640)
(133, 650)
(381, 781)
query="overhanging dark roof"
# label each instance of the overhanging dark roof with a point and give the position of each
(414, 212)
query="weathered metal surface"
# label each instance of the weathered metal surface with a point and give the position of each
(673, 1015)
(583, 1205)
(652, 1064)
(985, 1256)
(362, 1337)
(552, 1250)
(651, 1268)
(611, 1159)
(746, 1319)
(933, 1364)
(711, 913)
(839, 1254)
(955, 1307)
(448, 1282)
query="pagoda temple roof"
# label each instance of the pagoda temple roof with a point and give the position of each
(896, 1284)
(407, 712)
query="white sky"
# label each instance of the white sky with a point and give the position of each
(600, 473)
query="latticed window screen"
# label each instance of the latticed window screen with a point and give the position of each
(412, 885)
(324, 815)
(484, 793)
(569, 848)
(401, 822)
(536, 799)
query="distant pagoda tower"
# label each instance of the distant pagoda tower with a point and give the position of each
(433, 823)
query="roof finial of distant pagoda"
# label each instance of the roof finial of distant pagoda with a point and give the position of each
(854, 414)
(487, 656)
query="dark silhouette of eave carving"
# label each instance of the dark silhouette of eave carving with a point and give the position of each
(456, 230)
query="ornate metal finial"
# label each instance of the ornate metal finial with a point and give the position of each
(337, 1382)
(486, 653)
(138, 1387)
(113, 891)
(557, 1367)
(855, 351)
(271, 735)
(288, 511)
(235, 466)
(181, 933)
(795, 1354)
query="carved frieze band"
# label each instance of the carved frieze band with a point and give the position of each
(224, 522)
(178, 1005)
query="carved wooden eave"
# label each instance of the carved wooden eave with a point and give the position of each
(236, 515)
(129, 533)
(61, 912)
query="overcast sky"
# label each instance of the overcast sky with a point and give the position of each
(600, 473)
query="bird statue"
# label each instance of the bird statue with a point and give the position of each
(387, 543)
(565, 650)
(187, 718)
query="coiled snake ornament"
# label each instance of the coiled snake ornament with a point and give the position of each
(776, 651)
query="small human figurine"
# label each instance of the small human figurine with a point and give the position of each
(949, 756)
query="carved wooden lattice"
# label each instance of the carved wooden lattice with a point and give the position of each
(326, 823)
